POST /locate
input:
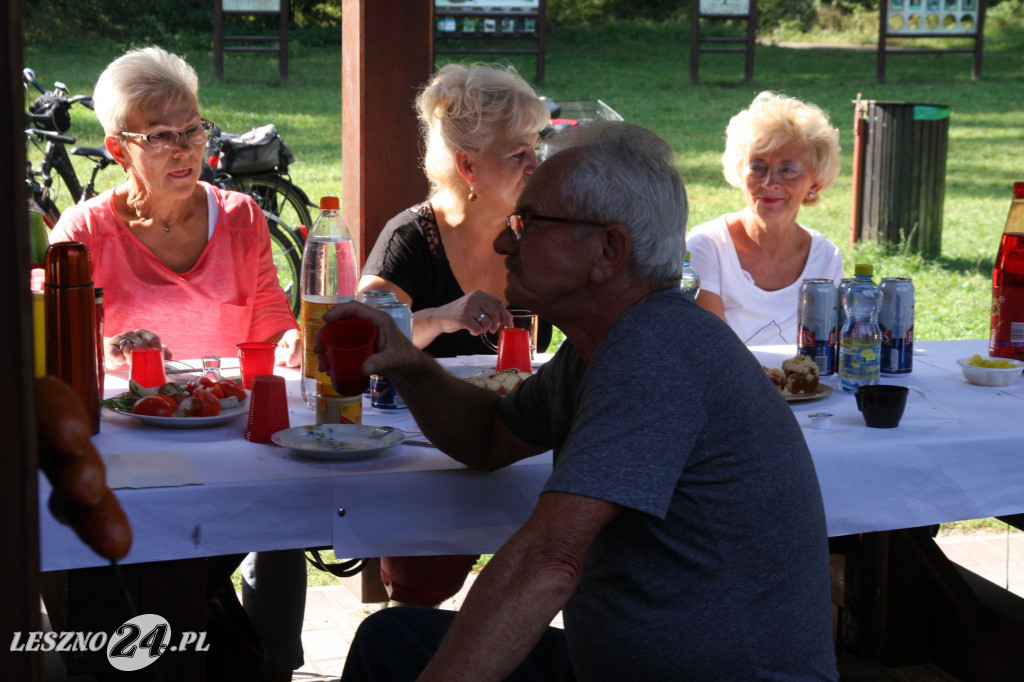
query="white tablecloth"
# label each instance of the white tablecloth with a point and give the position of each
(961, 460)
(957, 454)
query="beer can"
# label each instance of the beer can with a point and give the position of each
(383, 395)
(401, 314)
(896, 322)
(816, 323)
(374, 297)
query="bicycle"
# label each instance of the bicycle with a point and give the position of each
(256, 163)
(50, 119)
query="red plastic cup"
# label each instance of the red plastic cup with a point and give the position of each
(146, 367)
(514, 350)
(268, 408)
(347, 343)
(255, 358)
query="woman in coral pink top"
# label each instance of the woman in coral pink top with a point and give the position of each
(183, 265)
(186, 266)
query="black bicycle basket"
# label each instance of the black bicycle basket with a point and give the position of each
(260, 150)
(51, 112)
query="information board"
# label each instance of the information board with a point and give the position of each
(737, 7)
(947, 17)
(252, 5)
(484, 5)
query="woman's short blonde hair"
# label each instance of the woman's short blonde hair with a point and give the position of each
(139, 80)
(773, 121)
(464, 108)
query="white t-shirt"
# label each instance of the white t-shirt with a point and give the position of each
(758, 317)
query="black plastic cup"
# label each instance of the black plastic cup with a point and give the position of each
(882, 405)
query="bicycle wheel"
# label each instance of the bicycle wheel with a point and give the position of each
(287, 251)
(278, 196)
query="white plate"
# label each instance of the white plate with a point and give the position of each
(336, 442)
(224, 417)
(468, 371)
(820, 392)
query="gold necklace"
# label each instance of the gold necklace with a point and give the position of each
(141, 218)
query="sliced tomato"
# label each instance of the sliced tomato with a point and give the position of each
(155, 406)
(199, 382)
(217, 391)
(209, 403)
(230, 389)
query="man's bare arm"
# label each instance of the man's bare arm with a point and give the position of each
(462, 420)
(522, 588)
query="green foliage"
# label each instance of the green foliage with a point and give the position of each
(153, 22)
(640, 68)
(798, 15)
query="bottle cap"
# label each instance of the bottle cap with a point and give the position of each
(68, 264)
(863, 269)
(1018, 189)
(330, 203)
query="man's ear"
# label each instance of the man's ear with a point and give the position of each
(117, 150)
(613, 251)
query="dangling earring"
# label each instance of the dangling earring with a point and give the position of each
(472, 194)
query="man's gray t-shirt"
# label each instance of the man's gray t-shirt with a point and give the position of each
(717, 566)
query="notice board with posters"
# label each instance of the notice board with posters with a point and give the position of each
(743, 10)
(491, 27)
(275, 42)
(916, 19)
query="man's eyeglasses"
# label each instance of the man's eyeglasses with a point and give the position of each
(517, 222)
(162, 140)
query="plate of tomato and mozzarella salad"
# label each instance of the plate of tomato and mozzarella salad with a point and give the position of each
(198, 404)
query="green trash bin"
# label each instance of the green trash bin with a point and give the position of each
(900, 186)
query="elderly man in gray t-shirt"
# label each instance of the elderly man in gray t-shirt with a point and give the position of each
(682, 528)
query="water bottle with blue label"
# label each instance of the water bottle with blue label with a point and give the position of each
(860, 340)
(690, 282)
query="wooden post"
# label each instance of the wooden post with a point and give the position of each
(19, 521)
(387, 54)
(856, 210)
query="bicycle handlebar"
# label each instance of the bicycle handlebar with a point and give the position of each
(29, 77)
(49, 135)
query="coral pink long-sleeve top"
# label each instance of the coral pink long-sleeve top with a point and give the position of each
(231, 295)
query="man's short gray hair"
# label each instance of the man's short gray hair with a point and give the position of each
(626, 174)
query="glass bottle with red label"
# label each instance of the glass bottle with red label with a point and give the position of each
(1007, 336)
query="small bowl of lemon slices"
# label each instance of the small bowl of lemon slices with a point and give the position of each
(996, 372)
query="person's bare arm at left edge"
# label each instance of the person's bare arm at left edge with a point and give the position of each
(522, 588)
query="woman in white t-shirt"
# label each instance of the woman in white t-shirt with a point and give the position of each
(782, 153)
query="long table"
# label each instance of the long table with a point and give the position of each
(409, 500)
(957, 454)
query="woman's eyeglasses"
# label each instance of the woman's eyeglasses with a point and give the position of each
(782, 174)
(162, 140)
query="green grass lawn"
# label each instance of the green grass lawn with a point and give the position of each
(642, 71)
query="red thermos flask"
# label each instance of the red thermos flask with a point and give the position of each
(70, 301)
